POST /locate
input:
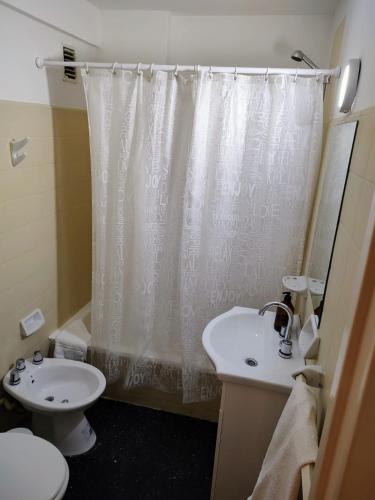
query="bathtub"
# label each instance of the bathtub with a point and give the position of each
(141, 393)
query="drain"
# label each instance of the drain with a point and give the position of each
(251, 362)
(65, 401)
(50, 398)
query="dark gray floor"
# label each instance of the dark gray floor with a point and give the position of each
(142, 453)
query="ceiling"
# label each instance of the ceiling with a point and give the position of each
(225, 7)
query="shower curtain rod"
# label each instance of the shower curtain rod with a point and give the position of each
(50, 63)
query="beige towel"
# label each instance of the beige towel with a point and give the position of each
(294, 444)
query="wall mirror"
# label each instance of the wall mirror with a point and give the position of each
(336, 162)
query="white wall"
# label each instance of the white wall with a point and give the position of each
(23, 38)
(248, 40)
(133, 36)
(79, 18)
(358, 41)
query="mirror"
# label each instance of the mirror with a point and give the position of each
(335, 166)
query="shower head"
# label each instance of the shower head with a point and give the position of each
(300, 56)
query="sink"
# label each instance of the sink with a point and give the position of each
(244, 346)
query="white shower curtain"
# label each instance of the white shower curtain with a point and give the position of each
(202, 186)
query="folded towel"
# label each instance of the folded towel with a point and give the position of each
(293, 445)
(72, 342)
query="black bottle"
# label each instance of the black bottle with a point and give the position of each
(281, 318)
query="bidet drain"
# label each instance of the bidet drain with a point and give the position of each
(49, 398)
(251, 362)
(65, 401)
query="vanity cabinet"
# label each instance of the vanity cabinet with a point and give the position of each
(247, 419)
(244, 349)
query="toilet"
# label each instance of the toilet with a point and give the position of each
(31, 468)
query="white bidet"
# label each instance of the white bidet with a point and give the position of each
(57, 391)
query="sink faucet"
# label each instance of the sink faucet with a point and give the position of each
(285, 350)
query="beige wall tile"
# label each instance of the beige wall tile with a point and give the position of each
(363, 143)
(20, 182)
(74, 259)
(72, 149)
(20, 119)
(15, 271)
(370, 169)
(70, 122)
(39, 151)
(14, 346)
(339, 307)
(358, 197)
(20, 212)
(19, 298)
(72, 193)
(24, 239)
(345, 262)
(362, 210)
(45, 222)
(4, 154)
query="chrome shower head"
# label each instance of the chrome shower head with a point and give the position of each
(297, 55)
(300, 56)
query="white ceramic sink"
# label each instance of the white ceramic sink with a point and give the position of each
(232, 337)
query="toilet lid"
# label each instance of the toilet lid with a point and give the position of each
(30, 468)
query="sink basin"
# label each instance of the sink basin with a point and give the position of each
(241, 335)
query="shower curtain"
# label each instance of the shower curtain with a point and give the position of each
(202, 185)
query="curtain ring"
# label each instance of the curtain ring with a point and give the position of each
(266, 74)
(295, 76)
(235, 73)
(114, 65)
(210, 74)
(196, 68)
(152, 70)
(87, 68)
(139, 69)
(176, 71)
(317, 76)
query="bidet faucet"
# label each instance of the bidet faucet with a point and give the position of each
(37, 358)
(286, 344)
(14, 377)
(20, 365)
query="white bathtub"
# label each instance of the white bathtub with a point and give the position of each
(83, 315)
(160, 396)
(169, 355)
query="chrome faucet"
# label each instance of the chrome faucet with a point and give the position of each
(14, 377)
(286, 344)
(37, 358)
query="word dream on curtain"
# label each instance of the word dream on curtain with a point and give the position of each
(202, 187)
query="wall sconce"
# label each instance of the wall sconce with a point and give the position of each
(349, 85)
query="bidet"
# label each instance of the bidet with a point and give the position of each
(57, 392)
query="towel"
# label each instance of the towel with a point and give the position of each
(313, 374)
(293, 445)
(72, 342)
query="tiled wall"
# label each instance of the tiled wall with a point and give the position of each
(358, 197)
(45, 222)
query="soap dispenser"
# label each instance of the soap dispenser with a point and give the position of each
(281, 318)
